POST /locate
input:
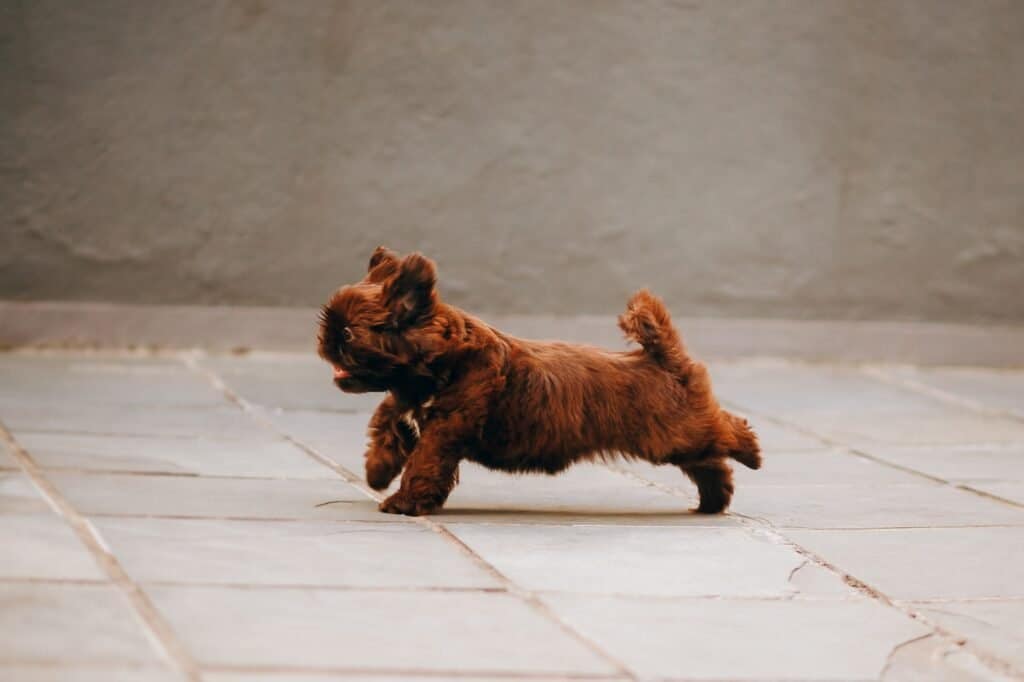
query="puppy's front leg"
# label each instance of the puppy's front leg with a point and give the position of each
(457, 416)
(391, 441)
(429, 477)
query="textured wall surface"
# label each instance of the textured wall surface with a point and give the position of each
(800, 159)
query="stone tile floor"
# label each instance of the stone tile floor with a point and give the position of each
(181, 516)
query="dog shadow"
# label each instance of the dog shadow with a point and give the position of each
(583, 514)
(555, 515)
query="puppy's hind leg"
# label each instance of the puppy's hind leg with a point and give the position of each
(713, 478)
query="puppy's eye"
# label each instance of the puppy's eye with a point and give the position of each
(347, 335)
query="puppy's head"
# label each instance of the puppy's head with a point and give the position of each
(372, 331)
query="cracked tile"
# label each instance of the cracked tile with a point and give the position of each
(811, 579)
(995, 626)
(925, 563)
(934, 659)
(741, 639)
(621, 560)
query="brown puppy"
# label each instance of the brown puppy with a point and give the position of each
(459, 389)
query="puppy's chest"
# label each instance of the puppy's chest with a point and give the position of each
(415, 418)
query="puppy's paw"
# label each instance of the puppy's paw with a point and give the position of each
(400, 503)
(380, 473)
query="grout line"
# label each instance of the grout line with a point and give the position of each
(135, 435)
(249, 519)
(318, 411)
(861, 454)
(960, 600)
(773, 679)
(883, 529)
(961, 486)
(412, 673)
(530, 598)
(913, 386)
(79, 471)
(983, 493)
(670, 490)
(100, 665)
(940, 395)
(251, 411)
(154, 626)
(32, 580)
(836, 445)
(324, 587)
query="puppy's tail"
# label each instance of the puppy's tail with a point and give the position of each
(647, 322)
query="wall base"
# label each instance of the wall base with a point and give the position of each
(59, 324)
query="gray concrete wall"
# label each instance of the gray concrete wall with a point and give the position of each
(805, 159)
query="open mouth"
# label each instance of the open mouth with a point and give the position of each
(344, 380)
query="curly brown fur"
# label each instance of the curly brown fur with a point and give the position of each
(460, 389)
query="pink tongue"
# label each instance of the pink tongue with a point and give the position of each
(339, 373)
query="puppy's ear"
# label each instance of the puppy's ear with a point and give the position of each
(410, 294)
(383, 264)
